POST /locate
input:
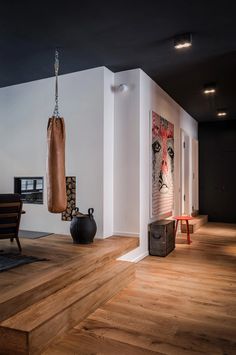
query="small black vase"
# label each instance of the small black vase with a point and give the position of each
(83, 228)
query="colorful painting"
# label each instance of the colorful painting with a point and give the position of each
(162, 167)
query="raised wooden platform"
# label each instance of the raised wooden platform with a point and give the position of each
(40, 300)
(194, 224)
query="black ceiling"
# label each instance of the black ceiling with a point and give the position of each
(123, 35)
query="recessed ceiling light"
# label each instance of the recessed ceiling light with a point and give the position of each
(209, 88)
(183, 41)
(221, 112)
(209, 91)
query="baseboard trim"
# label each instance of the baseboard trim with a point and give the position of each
(140, 257)
(126, 234)
(134, 259)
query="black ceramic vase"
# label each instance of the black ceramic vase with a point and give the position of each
(83, 228)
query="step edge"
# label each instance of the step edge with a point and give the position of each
(32, 349)
(125, 265)
(129, 278)
(71, 264)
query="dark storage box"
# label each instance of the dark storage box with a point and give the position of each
(161, 237)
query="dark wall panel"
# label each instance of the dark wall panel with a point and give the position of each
(217, 170)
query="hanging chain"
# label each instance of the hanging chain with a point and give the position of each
(56, 67)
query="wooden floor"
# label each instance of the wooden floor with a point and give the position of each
(65, 262)
(182, 304)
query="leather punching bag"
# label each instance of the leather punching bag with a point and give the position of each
(56, 179)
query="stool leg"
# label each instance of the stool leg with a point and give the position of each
(176, 227)
(188, 235)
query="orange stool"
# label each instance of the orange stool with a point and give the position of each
(183, 218)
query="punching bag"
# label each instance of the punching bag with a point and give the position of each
(56, 179)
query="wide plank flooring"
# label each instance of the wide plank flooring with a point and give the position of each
(184, 303)
(63, 260)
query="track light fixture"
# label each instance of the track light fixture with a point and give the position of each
(183, 41)
(222, 112)
(209, 89)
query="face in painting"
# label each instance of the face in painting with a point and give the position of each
(163, 153)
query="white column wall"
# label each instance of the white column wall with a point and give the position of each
(127, 154)
(190, 127)
(108, 153)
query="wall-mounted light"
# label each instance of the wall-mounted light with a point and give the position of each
(183, 41)
(120, 88)
(222, 112)
(209, 89)
(123, 87)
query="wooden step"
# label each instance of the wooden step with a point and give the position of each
(67, 263)
(194, 224)
(195, 213)
(29, 331)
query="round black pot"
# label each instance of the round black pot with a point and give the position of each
(83, 228)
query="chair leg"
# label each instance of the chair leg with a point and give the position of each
(18, 243)
(12, 240)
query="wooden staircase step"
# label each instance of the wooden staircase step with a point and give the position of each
(194, 224)
(29, 331)
(195, 213)
(40, 285)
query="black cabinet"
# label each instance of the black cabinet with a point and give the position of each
(161, 237)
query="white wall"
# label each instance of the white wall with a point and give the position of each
(24, 111)
(108, 153)
(190, 128)
(108, 147)
(152, 97)
(127, 154)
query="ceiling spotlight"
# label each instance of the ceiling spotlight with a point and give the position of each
(183, 41)
(221, 112)
(209, 88)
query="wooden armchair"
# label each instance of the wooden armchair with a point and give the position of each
(10, 214)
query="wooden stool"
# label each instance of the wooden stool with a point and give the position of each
(186, 219)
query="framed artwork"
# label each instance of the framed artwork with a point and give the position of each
(162, 166)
